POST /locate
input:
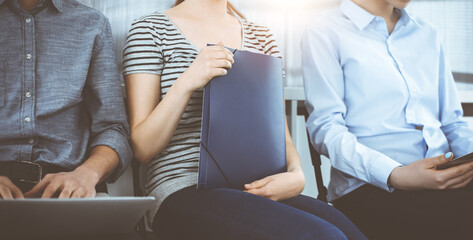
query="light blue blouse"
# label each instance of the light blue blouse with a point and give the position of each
(378, 101)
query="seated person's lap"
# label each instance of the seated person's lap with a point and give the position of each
(215, 214)
(427, 214)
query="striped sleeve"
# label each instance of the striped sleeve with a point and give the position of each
(142, 52)
(260, 39)
(270, 47)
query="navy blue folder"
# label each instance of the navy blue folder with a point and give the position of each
(243, 123)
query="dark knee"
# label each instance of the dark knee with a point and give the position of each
(327, 232)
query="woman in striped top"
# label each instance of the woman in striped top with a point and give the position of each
(166, 64)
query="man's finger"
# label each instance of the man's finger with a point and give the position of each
(91, 194)
(36, 190)
(5, 192)
(50, 190)
(16, 192)
(66, 193)
(78, 193)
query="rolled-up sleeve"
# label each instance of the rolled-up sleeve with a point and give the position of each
(324, 90)
(109, 126)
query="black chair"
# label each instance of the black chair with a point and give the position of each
(467, 109)
(314, 155)
(137, 191)
(135, 167)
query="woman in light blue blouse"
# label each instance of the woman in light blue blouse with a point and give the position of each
(384, 108)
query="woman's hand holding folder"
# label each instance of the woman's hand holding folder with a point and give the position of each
(212, 61)
(150, 116)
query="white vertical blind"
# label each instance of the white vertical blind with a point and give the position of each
(452, 18)
(287, 19)
(454, 21)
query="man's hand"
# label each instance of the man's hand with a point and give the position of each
(279, 186)
(8, 190)
(79, 183)
(422, 174)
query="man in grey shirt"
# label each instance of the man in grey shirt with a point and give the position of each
(63, 128)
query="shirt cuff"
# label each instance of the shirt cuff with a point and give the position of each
(381, 171)
(119, 143)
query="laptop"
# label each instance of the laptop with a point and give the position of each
(72, 217)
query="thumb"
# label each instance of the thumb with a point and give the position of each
(257, 184)
(220, 43)
(434, 161)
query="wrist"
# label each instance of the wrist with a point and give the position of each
(300, 178)
(392, 179)
(88, 173)
(182, 85)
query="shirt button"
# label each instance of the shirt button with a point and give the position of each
(27, 119)
(31, 141)
(28, 56)
(28, 20)
(28, 94)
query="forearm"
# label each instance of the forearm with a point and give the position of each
(351, 157)
(294, 167)
(294, 162)
(153, 134)
(101, 163)
(293, 159)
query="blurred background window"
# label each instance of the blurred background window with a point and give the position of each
(288, 19)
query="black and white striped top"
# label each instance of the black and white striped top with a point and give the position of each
(155, 45)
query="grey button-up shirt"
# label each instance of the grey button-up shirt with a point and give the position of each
(59, 87)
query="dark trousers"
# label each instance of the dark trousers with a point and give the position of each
(128, 236)
(427, 214)
(233, 214)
